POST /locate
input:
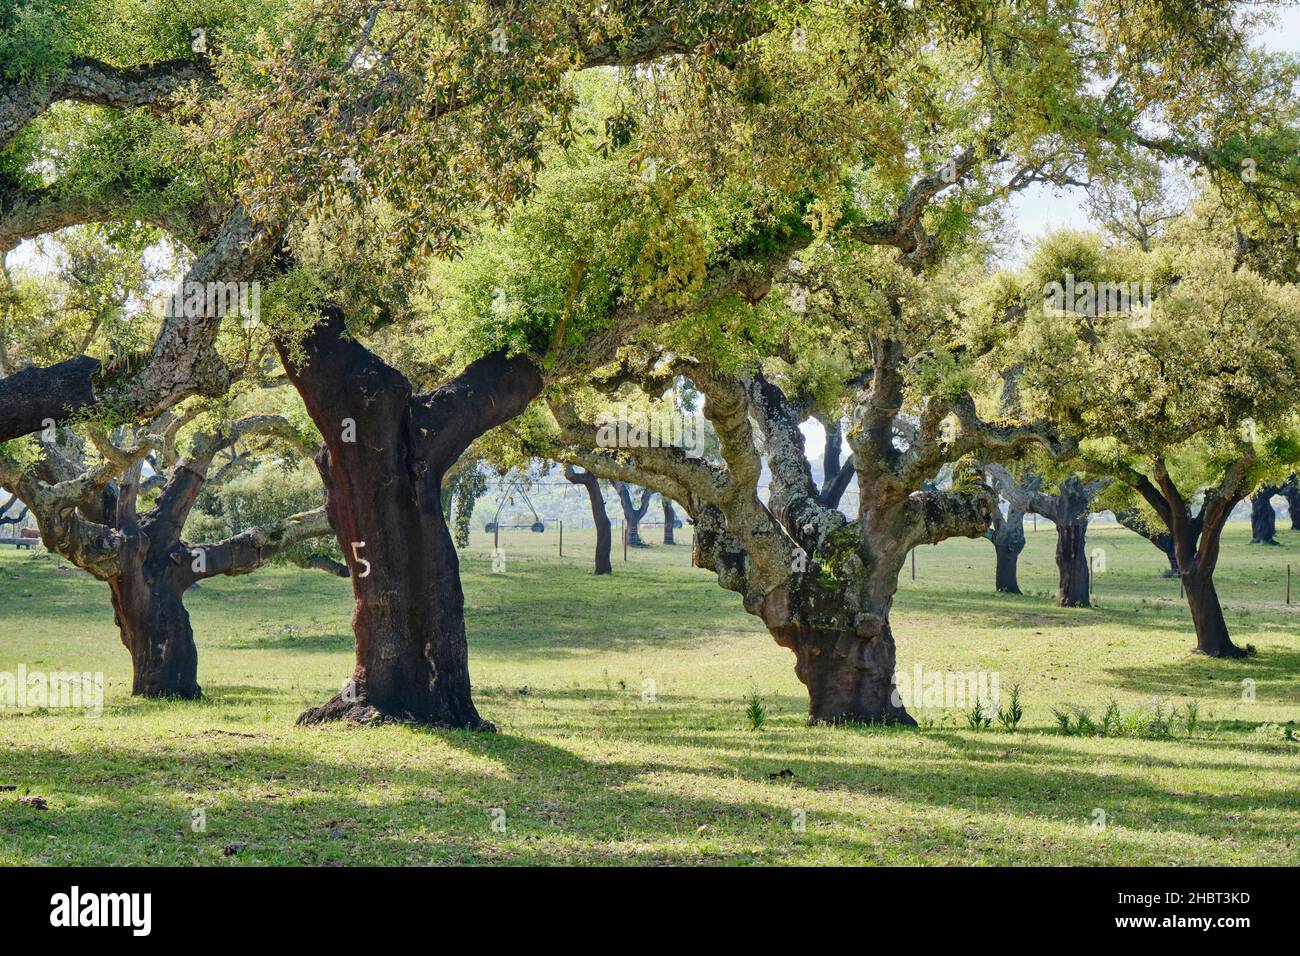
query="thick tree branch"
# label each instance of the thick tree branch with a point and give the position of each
(250, 549)
(88, 80)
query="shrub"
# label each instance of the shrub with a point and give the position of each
(755, 710)
(977, 718)
(1009, 716)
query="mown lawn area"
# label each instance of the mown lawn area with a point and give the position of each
(621, 704)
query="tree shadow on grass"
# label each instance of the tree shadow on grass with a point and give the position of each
(294, 642)
(998, 611)
(358, 795)
(1275, 672)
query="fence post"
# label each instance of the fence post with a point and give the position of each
(561, 537)
(624, 540)
(1288, 584)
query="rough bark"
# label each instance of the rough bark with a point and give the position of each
(383, 495)
(599, 517)
(90, 517)
(92, 81)
(822, 585)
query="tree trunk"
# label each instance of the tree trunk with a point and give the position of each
(1165, 542)
(670, 520)
(1207, 616)
(1008, 557)
(386, 452)
(1072, 564)
(850, 678)
(1008, 537)
(1263, 519)
(153, 622)
(1291, 492)
(599, 517)
(633, 513)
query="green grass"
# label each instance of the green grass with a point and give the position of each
(589, 771)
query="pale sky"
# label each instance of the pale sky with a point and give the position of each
(1041, 209)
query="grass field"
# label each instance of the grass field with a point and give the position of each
(585, 769)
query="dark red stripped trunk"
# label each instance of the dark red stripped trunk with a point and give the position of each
(153, 623)
(850, 677)
(383, 496)
(154, 573)
(1072, 564)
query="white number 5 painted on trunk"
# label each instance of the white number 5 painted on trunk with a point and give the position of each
(356, 547)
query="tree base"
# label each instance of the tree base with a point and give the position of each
(359, 711)
(1271, 541)
(1231, 652)
(900, 719)
(187, 693)
(849, 676)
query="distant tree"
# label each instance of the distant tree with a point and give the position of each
(1069, 508)
(632, 511)
(670, 520)
(7, 516)
(599, 517)
(1291, 492)
(1263, 519)
(1008, 538)
(1168, 402)
(90, 511)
